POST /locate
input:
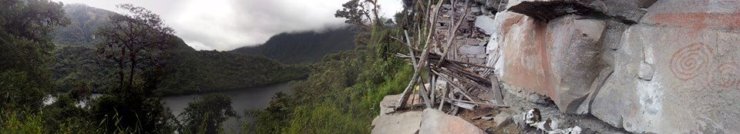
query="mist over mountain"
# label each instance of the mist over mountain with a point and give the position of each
(84, 21)
(188, 70)
(303, 47)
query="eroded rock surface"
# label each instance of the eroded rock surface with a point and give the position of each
(647, 66)
(399, 123)
(437, 122)
(667, 66)
(693, 85)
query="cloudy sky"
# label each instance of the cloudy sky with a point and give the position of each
(229, 24)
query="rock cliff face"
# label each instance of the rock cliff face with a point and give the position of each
(665, 66)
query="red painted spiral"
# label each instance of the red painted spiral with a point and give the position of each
(690, 61)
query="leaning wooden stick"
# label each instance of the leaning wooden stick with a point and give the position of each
(422, 60)
(451, 37)
(424, 95)
(407, 92)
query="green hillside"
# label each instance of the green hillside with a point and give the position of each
(187, 70)
(84, 21)
(303, 47)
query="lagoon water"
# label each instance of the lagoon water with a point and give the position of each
(241, 100)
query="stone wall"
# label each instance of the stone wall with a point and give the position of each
(665, 66)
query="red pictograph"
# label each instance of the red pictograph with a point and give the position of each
(690, 61)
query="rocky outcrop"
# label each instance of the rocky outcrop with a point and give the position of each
(542, 56)
(676, 71)
(668, 66)
(401, 123)
(574, 45)
(627, 11)
(644, 66)
(389, 122)
(430, 121)
(548, 10)
(387, 106)
(437, 122)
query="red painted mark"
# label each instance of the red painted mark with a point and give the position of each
(526, 60)
(544, 41)
(690, 61)
(699, 21)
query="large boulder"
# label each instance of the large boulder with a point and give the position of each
(392, 122)
(558, 58)
(672, 70)
(437, 122)
(689, 56)
(397, 123)
(677, 72)
(667, 80)
(573, 58)
(524, 61)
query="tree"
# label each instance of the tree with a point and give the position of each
(273, 118)
(206, 114)
(357, 13)
(374, 8)
(134, 43)
(25, 47)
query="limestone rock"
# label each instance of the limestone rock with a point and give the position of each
(685, 60)
(399, 123)
(495, 44)
(437, 122)
(573, 59)
(557, 59)
(673, 67)
(613, 34)
(707, 14)
(390, 103)
(628, 11)
(646, 71)
(548, 10)
(694, 86)
(523, 60)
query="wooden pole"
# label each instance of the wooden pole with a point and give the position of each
(452, 34)
(406, 92)
(424, 55)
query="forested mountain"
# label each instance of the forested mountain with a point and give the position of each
(84, 21)
(303, 47)
(204, 71)
(187, 70)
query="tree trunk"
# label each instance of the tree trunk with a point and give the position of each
(120, 69)
(131, 73)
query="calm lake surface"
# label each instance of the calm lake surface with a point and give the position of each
(241, 100)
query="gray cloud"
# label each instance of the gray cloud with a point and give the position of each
(229, 24)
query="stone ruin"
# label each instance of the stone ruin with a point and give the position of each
(644, 66)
